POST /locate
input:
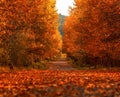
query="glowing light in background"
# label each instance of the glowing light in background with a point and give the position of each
(62, 6)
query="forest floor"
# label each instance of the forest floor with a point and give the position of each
(60, 80)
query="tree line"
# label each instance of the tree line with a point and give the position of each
(92, 33)
(28, 31)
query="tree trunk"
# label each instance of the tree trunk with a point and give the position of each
(11, 66)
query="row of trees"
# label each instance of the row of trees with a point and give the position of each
(28, 31)
(92, 33)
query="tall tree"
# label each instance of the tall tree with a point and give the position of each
(26, 27)
(96, 24)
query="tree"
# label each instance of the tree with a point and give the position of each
(26, 27)
(96, 25)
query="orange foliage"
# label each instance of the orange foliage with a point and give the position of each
(34, 83)
(27, 28)
(93, 29)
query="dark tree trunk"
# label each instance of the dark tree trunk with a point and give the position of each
(11, 66)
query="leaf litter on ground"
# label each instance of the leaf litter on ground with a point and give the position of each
(54, 83)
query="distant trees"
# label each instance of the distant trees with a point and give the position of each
(61, 23)
(28, 31)
(92, 33)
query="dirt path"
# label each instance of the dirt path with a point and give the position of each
(60, 64)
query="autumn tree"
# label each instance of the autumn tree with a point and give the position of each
(13, 17)
(96, 24)
(45, 30)
(26, 27)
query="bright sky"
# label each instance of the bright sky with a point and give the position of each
(63, 6)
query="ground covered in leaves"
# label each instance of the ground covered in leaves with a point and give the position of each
(54, 83)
